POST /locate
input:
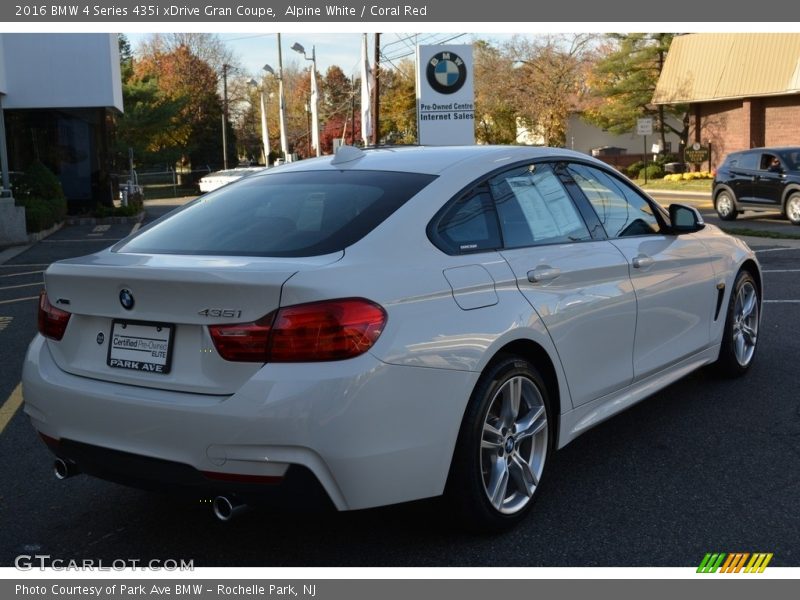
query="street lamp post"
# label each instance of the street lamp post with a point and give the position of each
(225, 68)
(264, 128)
(281, 112)
(314, 101)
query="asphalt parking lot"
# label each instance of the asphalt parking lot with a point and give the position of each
(705, 465)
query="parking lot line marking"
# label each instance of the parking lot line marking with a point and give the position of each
(781, 301)
(5, 322)
(28, 265)
(782, 271)
(21, 285)
(20, 274)
(135, 228)
(19, 299)
(10, 406)
(776, 249)
(83, 240)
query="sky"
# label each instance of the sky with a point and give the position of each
(254, 50)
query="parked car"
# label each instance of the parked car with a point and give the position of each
(219, 178)
(761, 179)
(383, 325)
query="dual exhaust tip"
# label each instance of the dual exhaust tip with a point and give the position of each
(225, 508)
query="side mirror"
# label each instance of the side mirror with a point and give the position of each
(685, 219)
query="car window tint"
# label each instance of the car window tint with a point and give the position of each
(470, 224)
(749, 161)
(621, 210)
(534, 208)
(286, 214)
(766, 161)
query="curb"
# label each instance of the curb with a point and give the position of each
(40, 235)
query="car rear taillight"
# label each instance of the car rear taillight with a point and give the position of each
(318, 331)
(52, 321)
(243, 342)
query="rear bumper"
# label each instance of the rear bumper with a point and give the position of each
(370, 433)
(297, 488)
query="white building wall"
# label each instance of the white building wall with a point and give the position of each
(60, 70)
(3, 85)
(582, 136)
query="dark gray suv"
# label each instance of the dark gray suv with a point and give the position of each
(759, 179)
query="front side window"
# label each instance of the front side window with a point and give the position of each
(534, 208)
(307, 213)
(621, 210)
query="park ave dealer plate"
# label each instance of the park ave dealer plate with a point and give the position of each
(141, 346)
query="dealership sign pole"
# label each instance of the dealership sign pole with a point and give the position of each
(445, 95)
(644, 127)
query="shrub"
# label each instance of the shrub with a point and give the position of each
(40, 192)
(653, 172)
(633, 170)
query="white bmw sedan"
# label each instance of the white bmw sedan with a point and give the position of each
(383, 325)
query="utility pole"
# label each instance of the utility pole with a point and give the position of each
(225, 68)
(352, 110)
(377, 87)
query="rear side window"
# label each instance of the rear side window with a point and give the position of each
(749, 161)
(535, 208)
(287, 214)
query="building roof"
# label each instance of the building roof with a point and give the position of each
(704, 67)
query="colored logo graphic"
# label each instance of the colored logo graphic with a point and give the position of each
(735, 563)
(446, 72)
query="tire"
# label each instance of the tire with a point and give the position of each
(739, 340)
(792, 208)
(501, 457)
(725, 206)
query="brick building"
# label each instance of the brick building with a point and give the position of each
(743, 89)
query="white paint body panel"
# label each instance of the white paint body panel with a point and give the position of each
(381, 428)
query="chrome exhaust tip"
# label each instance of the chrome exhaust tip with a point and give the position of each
(227, 508)
(64, 469)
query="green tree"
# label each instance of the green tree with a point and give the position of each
(624, 81)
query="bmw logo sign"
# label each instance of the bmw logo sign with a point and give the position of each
(446, 72)
(126, 299)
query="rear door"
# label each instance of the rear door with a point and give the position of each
(578, 284)
(672, 275)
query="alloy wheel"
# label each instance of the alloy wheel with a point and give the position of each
(514, 445)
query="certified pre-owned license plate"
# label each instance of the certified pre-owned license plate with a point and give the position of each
(141, 346)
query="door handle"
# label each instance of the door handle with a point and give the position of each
(540, 274)
(642, 262)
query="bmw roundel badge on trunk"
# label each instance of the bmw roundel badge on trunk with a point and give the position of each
(126, 299)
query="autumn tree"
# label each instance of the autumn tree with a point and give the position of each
(188, 84)
(495, 114)
(398, 116)
(549, 78)
(624, 81)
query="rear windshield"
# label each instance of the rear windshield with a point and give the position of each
(286, 214)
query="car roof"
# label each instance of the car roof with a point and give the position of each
(767, 149)
(432, 160)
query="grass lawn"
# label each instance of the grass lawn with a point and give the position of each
(693, 185)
